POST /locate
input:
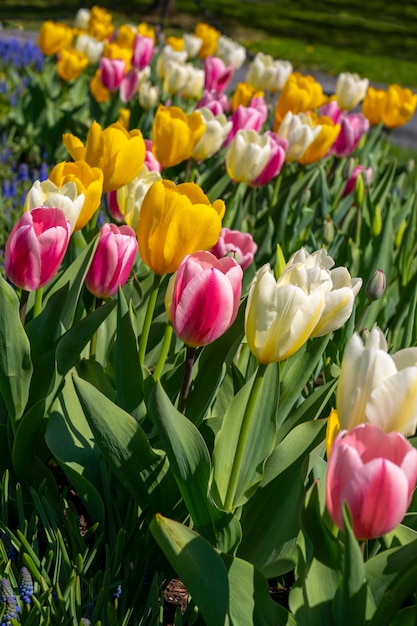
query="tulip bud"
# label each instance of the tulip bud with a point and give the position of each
(410, 165)
(359, 193)
(112, 261)
(377, 221)
(279, 262)
(400, 233)
(348, 168)
(375, 286)
(328, 230)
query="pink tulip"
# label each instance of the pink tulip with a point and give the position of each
(375, 474)
(36, 246)
(205, 297)
(332, 110)
(142, 52)
(113, 207)
(366, 174)
(260, 105)
(244, 118)
(112, 260)
(112, 72)
(151, 162)
(352, 127)
(129, 85)
(276, 160)
(241, 244)
(217, 75)
(217, 103)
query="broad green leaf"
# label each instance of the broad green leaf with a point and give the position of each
(246, 439)
(44, 330)
(250, 602)
(71, 441)
(15, 360)
(143, 470)
(198, 565)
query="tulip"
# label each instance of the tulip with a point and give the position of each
(100, 23)
(366, 174)
(65, 197)
(192, 45)
(216, 131)
(148, 95)
(113, 51)
(350, 90)
(217, 75)
(175, 221)
(230, 52)
(168, 56)
(175, 134)
(89, 182)
(240, 244)
(112, 260)
(98, 90)
(373, 105)
(267, 73)
(91, 47)
(260, 105)
(129, 85)
(209, 37)
(120, 154)
(142, 52)
(36, 246)
(82, 18)
(375, 474)
(331, 109)
(54, 37)
(176, 77)
(112, 72)
(216, 102)
(125, 36)
(299, 132)
(146, 30)
(275, 162)
(399, 108)
(378, 387)
(194, 84)
(247, 155)
(71, 64)
(322, 144)
(352, 128)
(127, 200)
(151, 163)
(243, 94)
(245, 118)
(299, 94)
(176, 43)
(205, 297)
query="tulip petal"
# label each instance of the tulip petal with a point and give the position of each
(393, 403)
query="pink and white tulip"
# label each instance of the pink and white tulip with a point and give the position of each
(375, 473)
(36, 246)
(216, 102)
(205, 297)
(152, 164)
(217, 75)
(352, 128)
(129, 85)
(142, 52)
(275, 162)
(240, 244)
(245, 118)
(112, 72)
(112, 260)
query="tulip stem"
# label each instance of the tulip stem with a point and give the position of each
(38, 302)
(243, 436)
(186, 379)
(164, 351)
(148, 318)
(23, 305)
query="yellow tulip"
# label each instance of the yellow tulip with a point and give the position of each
(176, 43)
(209, 36)
(98, 90)
(54, 37)
(126, 36)
(175, 221)
(118, 153)
(175, 134)
(323, 142)
(145, 30)
(373, 105)
(333, 427)
(300, 93)
(115, 51)
(243, 94)
(71, 64)
(100, 23)
(89, 181)
(124, 118)
(399, 108)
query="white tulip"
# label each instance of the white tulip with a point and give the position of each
(267, 73)
(350, 90)
(192, 45)
(91, 47)
(230, 52)
(130, 196)
(217, 129)
(247, 155)
(47, 194)
(299, 131)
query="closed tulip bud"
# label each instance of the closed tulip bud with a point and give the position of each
(328, 231)
(352, 176)
(112, 260)
(333, 427)
(148, 95)
(378, 387)
(350, 90)
(129, 86)
(36, 246)
(81, 19)
(400, 234)
(375, 474)
(377, 221)
(359, 191)
(375, 286)
(280, 262)
(410, 166)
(176, 220)
(240, 244)
(347, 171)
(205, 297)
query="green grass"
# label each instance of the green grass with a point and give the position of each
(374, 38)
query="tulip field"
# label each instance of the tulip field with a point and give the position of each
(208, 364)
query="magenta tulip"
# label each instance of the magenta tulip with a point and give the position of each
(217, 75)
(205, 297)
(366, 174)
(245, 118)
(217, 103)
(332, 110)
(240, 244)
(151, 161)
(275, 162)
(112, 72)
(129, 85)
(112, 260)
(260, 105)
(142, 52)
(36, 246)
(375, 473)
(113, 207)
(352, 127)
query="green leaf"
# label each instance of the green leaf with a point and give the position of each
(246, 439)
(15, 360)
(189, 461)
(125, 446)
(198, 565)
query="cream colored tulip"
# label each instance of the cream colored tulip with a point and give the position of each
(194, 84)
(247, 155)
(300, 133)
(47, 194)
(167, 56)
(149, 96)
(265, 72)
(350, 90)
(130, 197)
(378, 387)
(230, 52)
(217, 129)
(92, 48)
(192, 45)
